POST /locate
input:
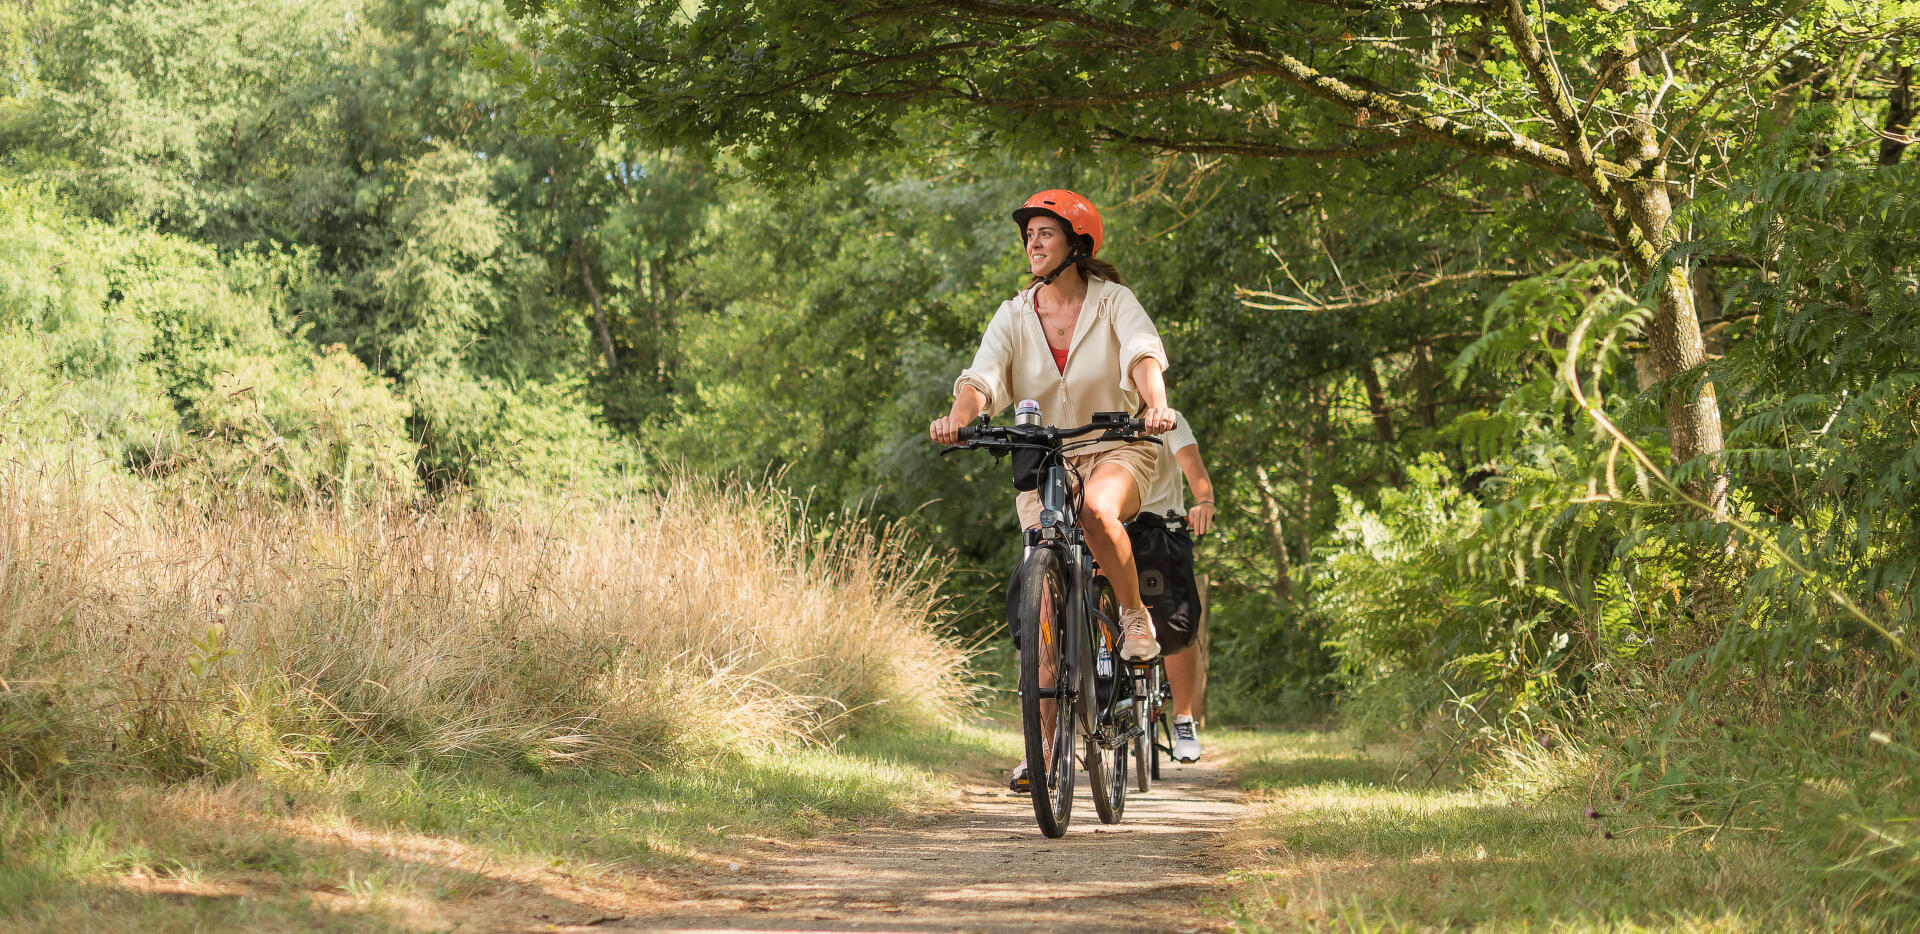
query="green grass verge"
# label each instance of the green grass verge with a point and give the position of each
(380, 848)
(1343, 839)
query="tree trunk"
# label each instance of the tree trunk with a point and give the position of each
(1321, 409)
(1899, 116)
(662, 318)
(1423, 376)
(1203, 646)
(1693, 415)
(1276, 536)
(1382, 423)
(1638, 212)
(599, 312)
(1674, 342)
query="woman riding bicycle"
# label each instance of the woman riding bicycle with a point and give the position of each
(1078, 342)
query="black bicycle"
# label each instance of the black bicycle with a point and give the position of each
(1153, 697)
(1063, 614)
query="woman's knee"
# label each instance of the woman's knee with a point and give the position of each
(1102, 514)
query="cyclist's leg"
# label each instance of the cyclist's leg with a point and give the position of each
(1111, 497)
(1183, 675)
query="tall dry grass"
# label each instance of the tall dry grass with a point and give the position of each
(179, 636)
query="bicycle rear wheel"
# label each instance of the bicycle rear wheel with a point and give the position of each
(1107, 769)
(1047, 676)
(1162, 729)
(1146, 688)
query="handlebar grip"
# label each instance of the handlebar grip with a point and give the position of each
(968, 432)
(1136, 425)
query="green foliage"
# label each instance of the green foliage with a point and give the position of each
(1747, 672)
(171, 360)
(841, 317)
(1435, 619)
(513, 444)
(319, 428)
(366, 175)
(1268, 661)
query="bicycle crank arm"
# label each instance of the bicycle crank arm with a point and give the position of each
(1107, 740)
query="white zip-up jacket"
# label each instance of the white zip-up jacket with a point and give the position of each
(1112, 334)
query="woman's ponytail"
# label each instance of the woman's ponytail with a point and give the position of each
(1091, 266)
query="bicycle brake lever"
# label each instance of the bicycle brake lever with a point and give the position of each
(949, 449)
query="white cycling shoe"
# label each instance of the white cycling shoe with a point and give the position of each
(1186, 740)
(1136, 627)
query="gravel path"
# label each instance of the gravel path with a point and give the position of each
(984, 867)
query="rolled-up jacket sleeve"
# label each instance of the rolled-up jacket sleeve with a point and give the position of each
(993, 363)
(1138, 338)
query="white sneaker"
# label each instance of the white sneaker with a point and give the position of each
(1186, 741)
(1137, 628)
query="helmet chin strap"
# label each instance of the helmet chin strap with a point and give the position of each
(1072, 258)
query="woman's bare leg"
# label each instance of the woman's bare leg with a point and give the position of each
(1183, 675)
(1110, 498)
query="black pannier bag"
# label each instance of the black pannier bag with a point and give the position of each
(1163, 556)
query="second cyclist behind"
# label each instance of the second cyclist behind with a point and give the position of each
(1078, 342)
(1179, 458)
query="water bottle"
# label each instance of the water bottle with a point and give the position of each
(1028, 413)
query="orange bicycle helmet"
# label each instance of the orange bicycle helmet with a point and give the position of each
(1076, 212)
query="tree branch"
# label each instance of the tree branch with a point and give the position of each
(1045, 13)
(1256, 150)
(1289, 303)
(1552, 91)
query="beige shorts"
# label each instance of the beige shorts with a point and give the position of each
(1136, 459)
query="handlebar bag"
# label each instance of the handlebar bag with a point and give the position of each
(1163, 557)
(1029, 466)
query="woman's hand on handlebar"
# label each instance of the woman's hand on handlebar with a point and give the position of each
(944, 430)
(969, 403)
(1156, 421)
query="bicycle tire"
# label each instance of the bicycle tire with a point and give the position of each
(1106, 769)
(1042, 608)
(1162, 727)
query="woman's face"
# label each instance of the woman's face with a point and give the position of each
(1047, 244)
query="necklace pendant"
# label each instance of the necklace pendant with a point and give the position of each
(1061, 331)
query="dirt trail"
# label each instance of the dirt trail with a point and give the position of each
(984, 867)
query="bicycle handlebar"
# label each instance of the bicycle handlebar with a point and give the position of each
(1117, 425)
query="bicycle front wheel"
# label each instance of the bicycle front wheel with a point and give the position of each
(1106, 770)
(1047, 674)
